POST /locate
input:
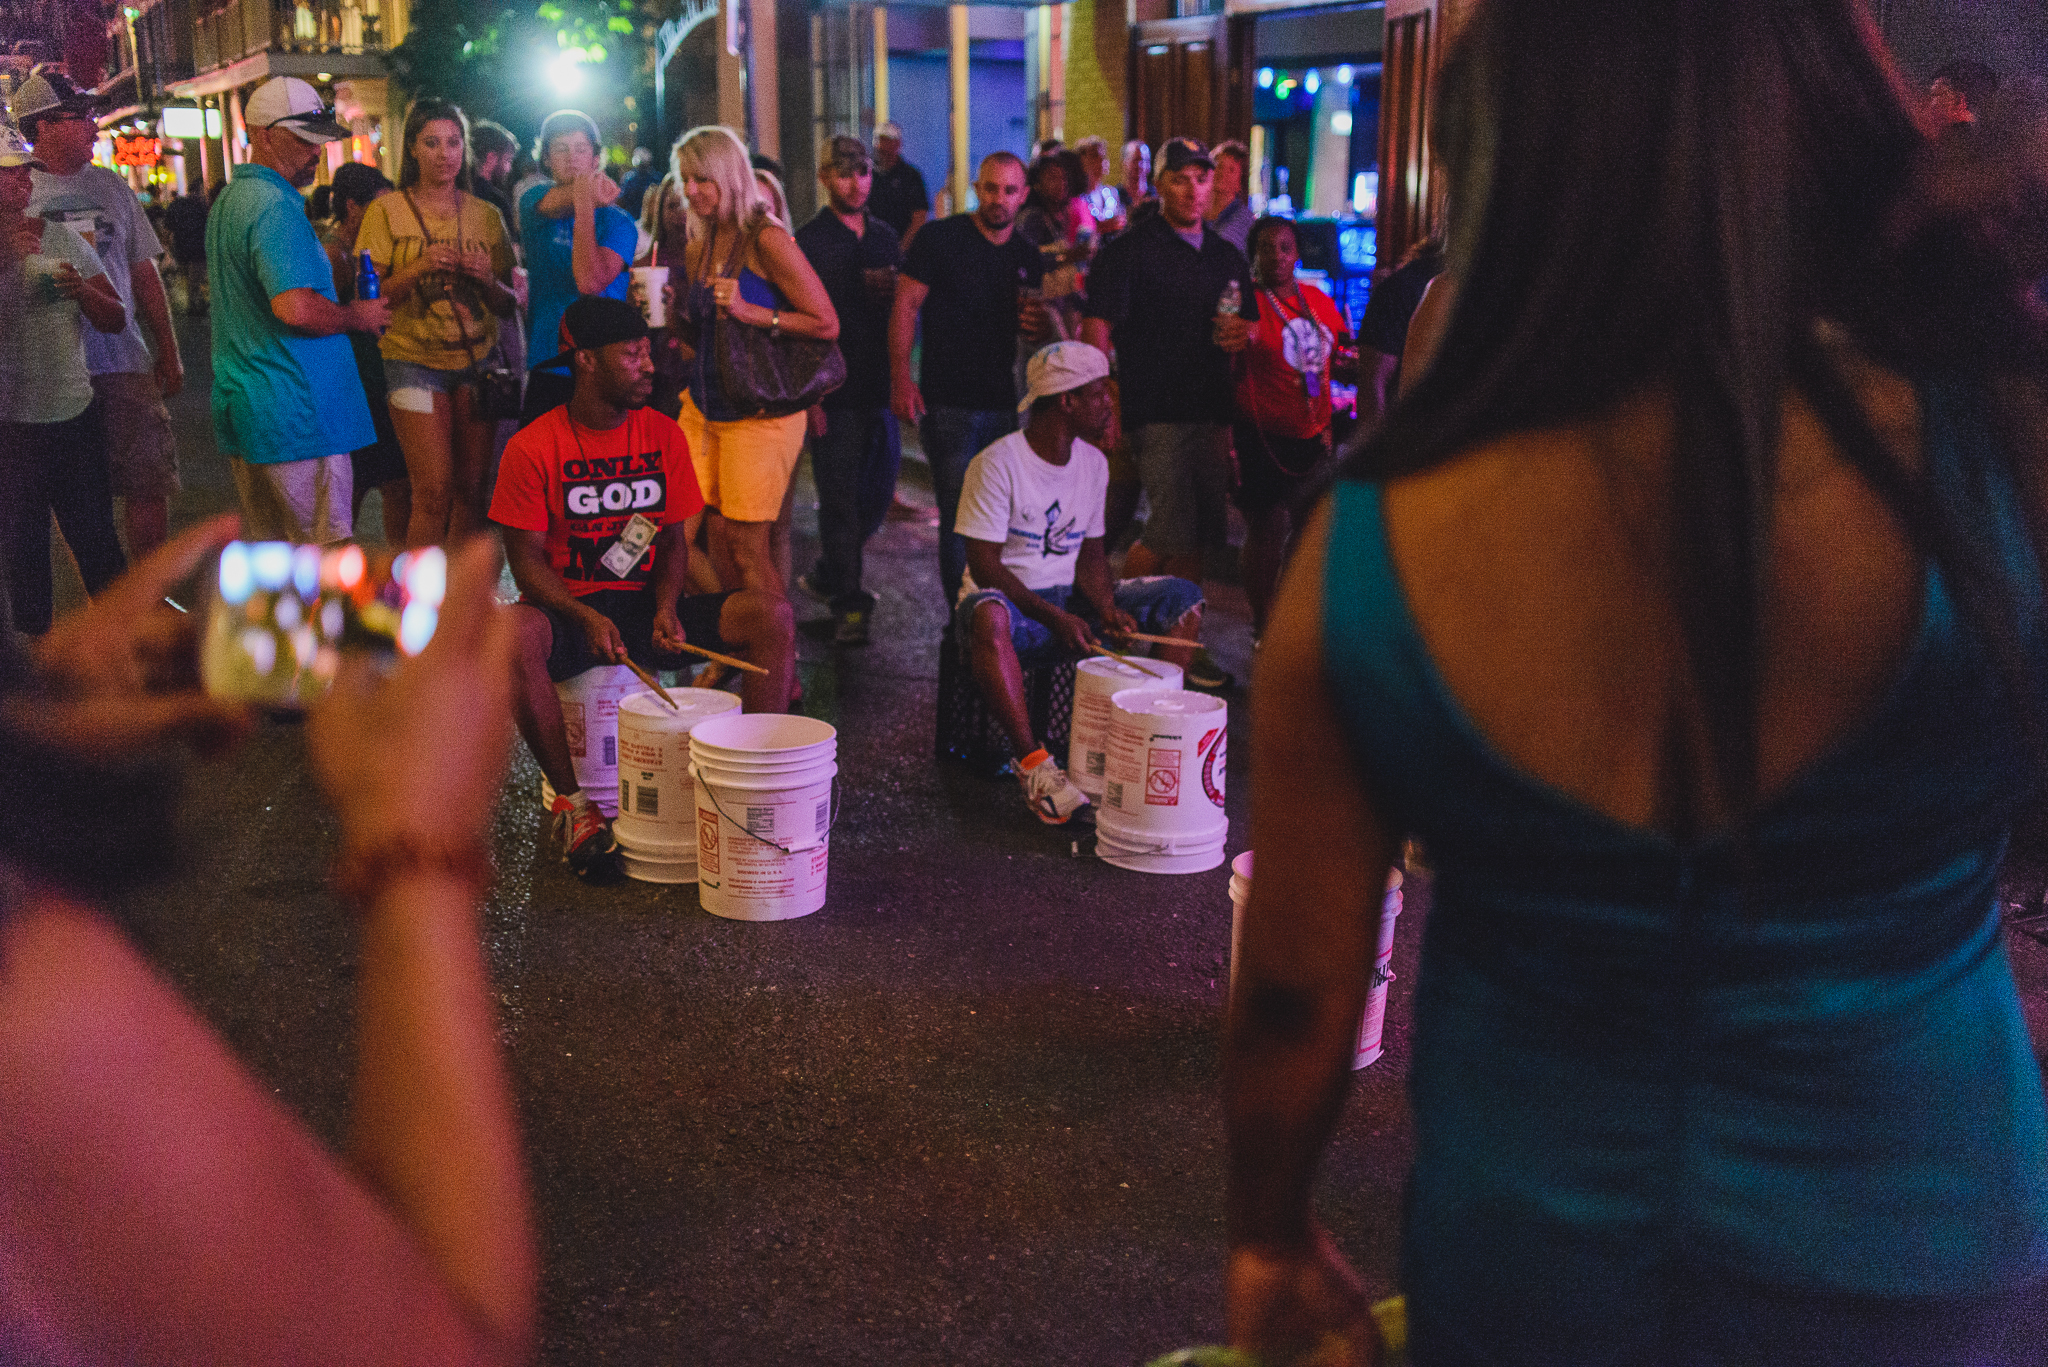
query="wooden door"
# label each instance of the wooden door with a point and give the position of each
(1406, 213)
(1180, 79)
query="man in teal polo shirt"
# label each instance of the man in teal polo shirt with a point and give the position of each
(287, 406)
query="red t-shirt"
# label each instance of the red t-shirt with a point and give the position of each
(1272, 392)
(581, 487)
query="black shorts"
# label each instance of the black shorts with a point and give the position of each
(1274, 470)
(632, 612)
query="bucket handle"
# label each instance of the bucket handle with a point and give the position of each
(831, 820)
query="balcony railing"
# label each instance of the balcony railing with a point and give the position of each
(245, 26)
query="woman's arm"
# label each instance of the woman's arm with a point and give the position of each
(161, 1205)
(810, 312)
(1303, 969)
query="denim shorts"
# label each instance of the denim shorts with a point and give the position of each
(1157, 601)
(404, 379)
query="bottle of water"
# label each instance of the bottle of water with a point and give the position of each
(368, 286)
(1232, 301)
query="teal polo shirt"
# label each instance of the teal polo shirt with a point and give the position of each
(277, 395)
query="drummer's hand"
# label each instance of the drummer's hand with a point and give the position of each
(668, 631)
(125, 668)
(1304, 1307)
(1073, 633)
(1117, 622)
(603, 635)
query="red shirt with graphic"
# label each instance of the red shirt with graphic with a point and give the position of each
(581, 487)
(1289, 337)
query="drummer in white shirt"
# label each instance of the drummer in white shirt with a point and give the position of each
(1031, 512)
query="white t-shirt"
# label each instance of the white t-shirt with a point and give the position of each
(98, 205)
(1039, 511)
(42, 334)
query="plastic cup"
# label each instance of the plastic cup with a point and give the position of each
(650, 284)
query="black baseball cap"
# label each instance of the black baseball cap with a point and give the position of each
(594, 321)
(1181, 153)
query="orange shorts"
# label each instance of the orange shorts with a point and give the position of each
(743, 467)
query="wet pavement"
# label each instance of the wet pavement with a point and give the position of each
(966, 1114)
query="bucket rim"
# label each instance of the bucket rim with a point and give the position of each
(654, 708)
(1153, 696)
(765, 719)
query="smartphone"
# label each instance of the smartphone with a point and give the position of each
(280, 617)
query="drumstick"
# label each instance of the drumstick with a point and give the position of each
(654, 684)
(723, 659)
(1127, 660)
(1153, 640)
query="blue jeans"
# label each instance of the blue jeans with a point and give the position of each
(855, 466)
(1157, 601)
(953, 437)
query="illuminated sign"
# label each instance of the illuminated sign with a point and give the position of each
(138, 150)
(183, 121)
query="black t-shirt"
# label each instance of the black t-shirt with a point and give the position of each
(1394, 300)
(839, 258)
(1159, 296)
(970, 316)
(897, 194)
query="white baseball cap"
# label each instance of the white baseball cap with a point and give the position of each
(288, 102)
(14, 148)
(1057, 368)
(891, 129)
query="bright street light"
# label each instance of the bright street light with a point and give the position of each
(566, 72)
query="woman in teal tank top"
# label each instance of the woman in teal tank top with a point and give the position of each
(1689, 609)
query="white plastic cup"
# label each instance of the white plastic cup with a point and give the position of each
(650, 283)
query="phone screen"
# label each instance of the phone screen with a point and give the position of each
(280, 617)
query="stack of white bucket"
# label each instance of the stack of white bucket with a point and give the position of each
(1095, 681)
(764, 813)
(1162, 799)
(590, 715)
(657, 821)
(1372, 1023)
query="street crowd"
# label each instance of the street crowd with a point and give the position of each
(1679, 1100)
(421, 341)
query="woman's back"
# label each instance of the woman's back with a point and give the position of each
(1537, 568)
(1644, 1045)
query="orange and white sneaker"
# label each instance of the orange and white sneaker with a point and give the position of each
(1047, 792)
(587, 843)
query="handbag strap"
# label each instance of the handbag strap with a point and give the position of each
(454, 307)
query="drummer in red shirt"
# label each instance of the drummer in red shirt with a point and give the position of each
(594, 499)
(1282, 429)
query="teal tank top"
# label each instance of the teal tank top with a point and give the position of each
(1630, 1057)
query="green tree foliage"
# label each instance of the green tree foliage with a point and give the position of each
(492, 58)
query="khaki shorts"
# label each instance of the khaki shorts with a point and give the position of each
(295, 500)
(142, 456)
(743, 467)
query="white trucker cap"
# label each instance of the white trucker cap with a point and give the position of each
(288, 102)
(1060, 367)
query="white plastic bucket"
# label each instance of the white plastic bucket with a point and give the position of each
(1372, 1025)
(1095, 681)
(1162, 801)
(590, 716)
(1373, 1020)
(657, 821)
(764, 813)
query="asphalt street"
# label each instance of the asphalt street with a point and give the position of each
(966, 1114)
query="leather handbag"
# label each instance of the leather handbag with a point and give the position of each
(770, 374)
(500, 390)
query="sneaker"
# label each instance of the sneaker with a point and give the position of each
(1046, 791)
(852, 629)
(1204, 672)
(587, 843)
